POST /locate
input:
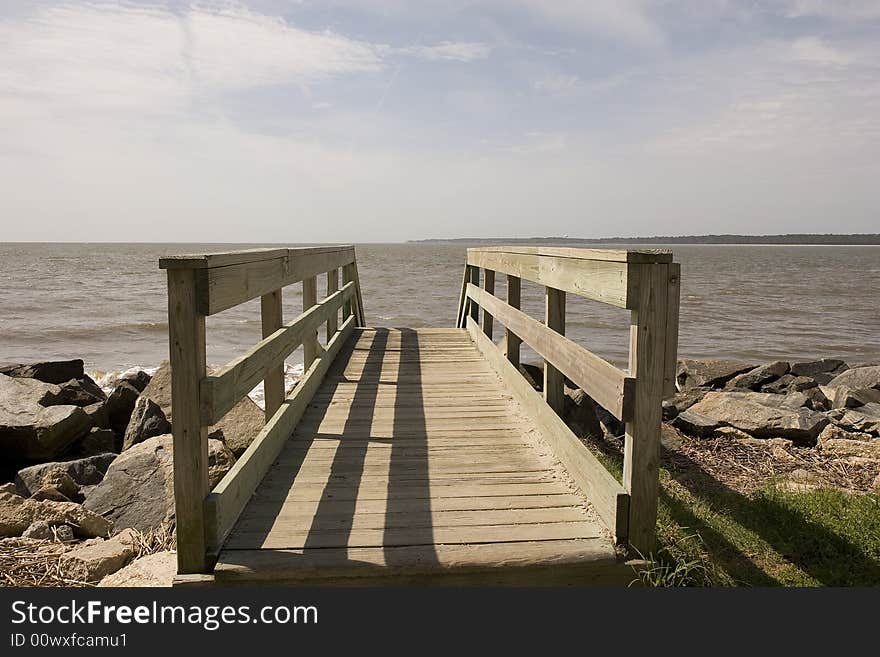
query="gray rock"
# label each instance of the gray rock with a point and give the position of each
(48, 372)
(695, 424)
(50, 493)
(9, 488)
(533, 374)
(153, 570)
(755, 378)
(95, 559)
(138, 489)
(763, 415)
(864, 418)
(834, 432)
(81, 392)
(816, 399)
(147, 421)
(139, 380)
(790, 383)
(120, 405)
(18, 513)
(21, 394)
(39, 530)
(30, 431)
(83, 472)
(237, 428)
(682, 401)
(64, 533)
(580, 414)
(159, 388)
(822, 371)
(845, 397)
(858, 378)
(98, 415)
(708, 373)
(97, 441)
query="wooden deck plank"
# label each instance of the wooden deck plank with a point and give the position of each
(412, 459)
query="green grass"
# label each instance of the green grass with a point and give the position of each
(711, 535)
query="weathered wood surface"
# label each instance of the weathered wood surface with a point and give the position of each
(186, 337)
(223, 287)
(609, 386)
(413, 460)
(607, 495)
(225, 503)
(646, 256)
(273, 381)
(608, 281)
(221, 391)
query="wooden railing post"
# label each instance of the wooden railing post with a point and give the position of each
(554, 318)
(311, 348)
(474, 310)
(511, 340)
(347, 277)
(332, 286)
(273, 384)
(646, 363)
(489, 286)
(186, 336)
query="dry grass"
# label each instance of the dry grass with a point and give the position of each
(29, 562)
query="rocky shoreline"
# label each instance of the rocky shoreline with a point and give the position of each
(87, 480)
(87, 475)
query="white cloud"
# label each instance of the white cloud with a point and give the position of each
(113, 56)
(450, 51)
(817, 51)
(845, 10)
(557, 84)
(625, 20)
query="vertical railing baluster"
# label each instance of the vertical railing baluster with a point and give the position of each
(273, 383)
(554, 318)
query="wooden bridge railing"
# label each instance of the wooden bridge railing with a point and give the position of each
(644, 282)
(202, 285)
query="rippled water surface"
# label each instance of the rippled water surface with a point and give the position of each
(106, 303)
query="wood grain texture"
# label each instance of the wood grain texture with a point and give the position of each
(511, 340)
(554, 319)
(608, 255)
(609, 386)
(223, 389)
(642, 443)
(311, 346)
(229, 497)
(489, 286)
(607, 495)
(273, 381)
(332, 288)
(610, 282)
(220, 288)
(412, 455)
(186, 333)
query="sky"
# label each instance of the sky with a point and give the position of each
(356, 121)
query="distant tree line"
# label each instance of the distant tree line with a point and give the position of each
(792, 238)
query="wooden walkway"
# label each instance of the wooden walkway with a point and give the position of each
(413, 463)
(418, 456)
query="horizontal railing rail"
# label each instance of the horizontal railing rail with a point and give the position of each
(646, 283)
(205, 284)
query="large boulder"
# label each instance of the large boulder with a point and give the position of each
(18, 513)
(845, 397)
(30, 431)
(682, 401)
(237, 429)
(763, 415)
(81, 392)
(864, 418)
(755, 378)
(158, 569)
(822, 371)
(139, 379)
(789, 383)
(95, 559)
(708, 373)
(25, 393)
(138, 489)
(84, 472)
(857, 378)
(120, 405)
(97, 441)
(147, 421)
(695, 424)
(48, 372)
(580, 414)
